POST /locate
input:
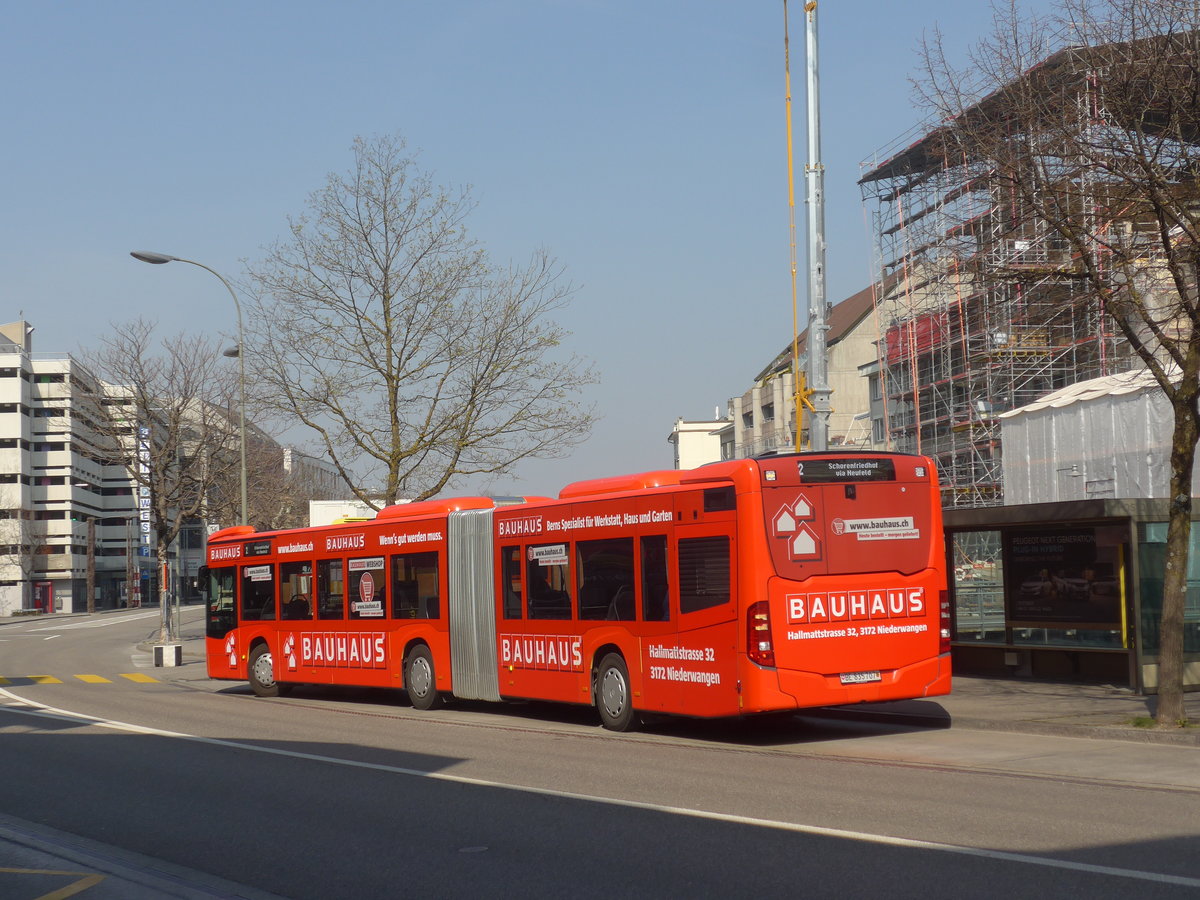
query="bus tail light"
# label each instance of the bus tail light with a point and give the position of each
(758, 634)
(944, 642)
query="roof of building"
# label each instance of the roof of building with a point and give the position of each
(843, 318)
(1069, 65)
(1130, 382)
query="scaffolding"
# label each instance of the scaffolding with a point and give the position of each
(983, 308)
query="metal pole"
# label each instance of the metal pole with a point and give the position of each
(799, 398)
(91, 564)
(159, 259)
(814, 171)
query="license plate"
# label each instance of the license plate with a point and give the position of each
(860, 677)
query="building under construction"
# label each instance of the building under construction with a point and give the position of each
(986, 307)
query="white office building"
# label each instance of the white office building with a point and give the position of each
(66, 518)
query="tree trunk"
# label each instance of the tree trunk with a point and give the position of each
(166, 632)
(1171, 711)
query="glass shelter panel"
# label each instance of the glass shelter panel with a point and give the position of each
(978, 579)
(1152, 549)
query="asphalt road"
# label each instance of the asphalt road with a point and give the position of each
(353, 793)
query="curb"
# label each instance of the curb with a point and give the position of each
(1179, 737)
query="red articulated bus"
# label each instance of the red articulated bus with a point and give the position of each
(748, 586)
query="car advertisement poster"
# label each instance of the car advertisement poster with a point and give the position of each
(1064, 578)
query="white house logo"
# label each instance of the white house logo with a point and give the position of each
(289, 652)
(231, 649)
(791, 522)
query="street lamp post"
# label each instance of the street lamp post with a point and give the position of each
(148, 256)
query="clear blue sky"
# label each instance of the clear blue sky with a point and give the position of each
(641, 141)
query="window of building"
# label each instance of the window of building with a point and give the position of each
(605, 572)
(416, 590)
(703, 573)
(878, 431)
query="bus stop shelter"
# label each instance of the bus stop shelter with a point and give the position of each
(1070, 590)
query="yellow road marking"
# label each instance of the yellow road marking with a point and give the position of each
(85, 881)
(140, 678)
(90, 679)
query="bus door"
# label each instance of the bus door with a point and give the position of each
(694, 669)
(221, 621)
(540, 649)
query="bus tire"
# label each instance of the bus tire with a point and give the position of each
(420, 680)
(614, 699)
(260, 671)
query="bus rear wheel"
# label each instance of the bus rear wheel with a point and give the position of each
(614, 699)
(420, 680)
(261, 672)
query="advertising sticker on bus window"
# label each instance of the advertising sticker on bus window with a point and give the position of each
(549, 555)
(369, 564)
(368, 606)
(257, 573)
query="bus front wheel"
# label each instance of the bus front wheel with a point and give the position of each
(614, 700)
(261, 672)
(419, 679)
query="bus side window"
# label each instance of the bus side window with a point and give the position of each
(416, 591)
(656, 592)
(295, 590)
(703, 573)
(258, 593)
(548, 582)
(606, 579)
(331, 589)
(510, 581)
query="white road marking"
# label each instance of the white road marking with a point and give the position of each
(99, 623)
(41, 710)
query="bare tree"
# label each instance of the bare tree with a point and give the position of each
(1086, 124)
(166, 417)
(385, 329)
(23, 545)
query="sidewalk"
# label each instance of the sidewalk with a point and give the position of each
(1067, 709)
